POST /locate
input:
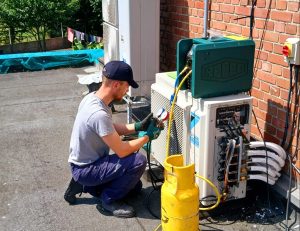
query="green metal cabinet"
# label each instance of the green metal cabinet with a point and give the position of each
(220, 66)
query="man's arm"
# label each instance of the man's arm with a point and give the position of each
(124, 148)
(124, 129)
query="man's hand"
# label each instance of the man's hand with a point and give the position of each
(144, 124)
(153, 131)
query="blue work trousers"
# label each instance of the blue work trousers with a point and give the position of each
(111, 177)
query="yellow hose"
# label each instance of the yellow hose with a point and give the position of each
(184, 70)
(157, 227)
(216, 191)
(172, 109)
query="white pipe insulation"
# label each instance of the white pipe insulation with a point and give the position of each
(265, 165)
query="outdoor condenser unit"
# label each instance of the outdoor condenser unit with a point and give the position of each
(161, 91)
(203, 130)
(219, 135)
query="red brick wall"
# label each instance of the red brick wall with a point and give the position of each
(275, 21)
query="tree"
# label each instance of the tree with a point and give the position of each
(36, 16)
(9, 19)
(88, 18)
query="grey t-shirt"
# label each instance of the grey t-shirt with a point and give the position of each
(93, 121)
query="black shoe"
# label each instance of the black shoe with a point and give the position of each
(73, 189)
(117, 209)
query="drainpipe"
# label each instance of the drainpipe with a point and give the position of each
(205, 18)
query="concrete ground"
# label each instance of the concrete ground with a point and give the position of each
(37, 111)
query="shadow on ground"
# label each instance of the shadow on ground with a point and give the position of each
(261, 206)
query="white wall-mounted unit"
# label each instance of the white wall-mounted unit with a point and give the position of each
(136, 39)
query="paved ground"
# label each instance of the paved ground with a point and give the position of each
(37, 111)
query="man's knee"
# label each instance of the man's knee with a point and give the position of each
(141, 160)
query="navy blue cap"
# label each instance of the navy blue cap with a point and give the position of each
(119, 70)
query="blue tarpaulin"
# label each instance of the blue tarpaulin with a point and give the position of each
(47, 60)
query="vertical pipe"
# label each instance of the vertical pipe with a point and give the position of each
(129, 111)
(61, 29)
(9, 35)
(10, 40)
(205, 18)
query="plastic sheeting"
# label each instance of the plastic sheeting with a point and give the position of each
(47, 60)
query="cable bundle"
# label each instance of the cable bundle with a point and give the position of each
(265, 161)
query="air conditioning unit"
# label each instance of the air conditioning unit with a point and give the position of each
(202, 132)
(219, 128)
(161, 92)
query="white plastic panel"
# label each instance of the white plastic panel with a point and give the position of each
(139, 41)
(136, 39)
(130, 35)
(111, 42)
(110, 12)
(150, 35)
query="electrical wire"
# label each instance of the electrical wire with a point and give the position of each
(258, 53)
(267, 164)
(252, 18)
(297, 144)
(154, 179)
(296, 106)
(232, 131)
(148, 204)
(287, 114)
(262, 37)
(240, 132)
(291, 157)
(297, 139)
(289, 194)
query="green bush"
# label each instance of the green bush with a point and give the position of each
(78, 45)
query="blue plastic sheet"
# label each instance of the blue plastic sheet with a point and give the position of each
(47, 60)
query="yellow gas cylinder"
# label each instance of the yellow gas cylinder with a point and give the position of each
(179, 196)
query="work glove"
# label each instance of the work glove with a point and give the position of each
(153, 131)
(144, 124)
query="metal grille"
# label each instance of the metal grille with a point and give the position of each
(176, 141)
